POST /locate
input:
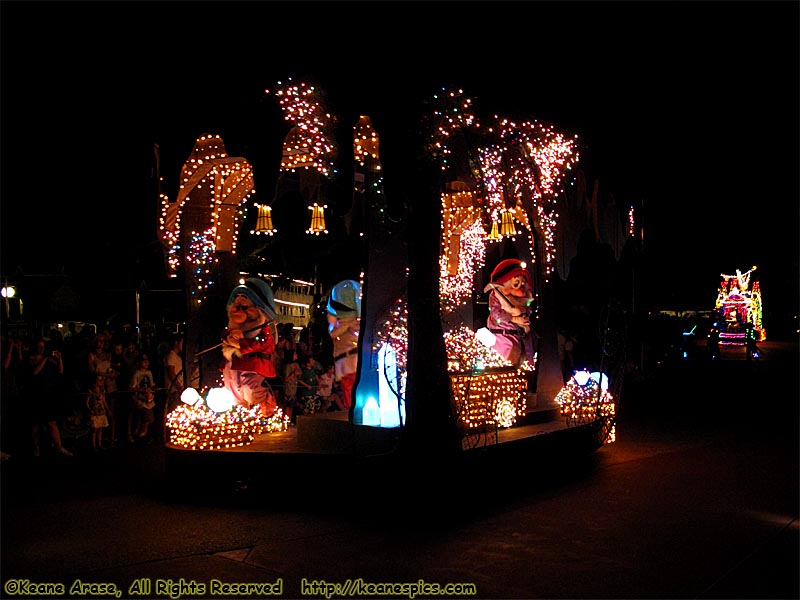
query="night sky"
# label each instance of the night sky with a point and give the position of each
(687, 108)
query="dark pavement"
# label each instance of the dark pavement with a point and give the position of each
(697, 498)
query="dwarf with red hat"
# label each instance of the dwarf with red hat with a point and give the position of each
(248, 345)
(510, 298)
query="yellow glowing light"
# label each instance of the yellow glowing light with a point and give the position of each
(489, 399)
(317, 219)
(199, 428)
(494, 234)
(264, 221)
(507, 227)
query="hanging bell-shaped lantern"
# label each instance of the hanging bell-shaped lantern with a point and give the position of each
(494, 234)
(264, 221)
(507, 227)
(317, 219)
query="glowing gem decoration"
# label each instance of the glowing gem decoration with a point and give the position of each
(581, 377)
(486, 337)
(190, 396)
(601, 379)
(220, 399)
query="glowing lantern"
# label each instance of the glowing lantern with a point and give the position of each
(507, 227)
(317, 220)
(494, 234)
(264, 222)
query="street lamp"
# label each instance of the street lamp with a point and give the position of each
(7, 292)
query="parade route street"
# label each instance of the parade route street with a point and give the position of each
(697, 498)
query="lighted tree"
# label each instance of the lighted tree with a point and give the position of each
(199, 232)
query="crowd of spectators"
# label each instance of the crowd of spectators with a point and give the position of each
(305, 383)
(73, 393)
(89, 391)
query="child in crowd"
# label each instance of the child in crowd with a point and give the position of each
(98, 410)
(142, 386)
(337, 396)
(307, 390)
(291, 376)
(325, 388)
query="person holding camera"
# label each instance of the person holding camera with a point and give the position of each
(42, 390)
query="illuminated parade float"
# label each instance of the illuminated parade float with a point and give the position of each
(739, 308)
(454, 332)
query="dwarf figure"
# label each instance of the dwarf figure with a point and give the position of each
(510, 297)
(344, 320)
(248, 345)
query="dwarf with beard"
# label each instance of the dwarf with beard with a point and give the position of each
(510, 298)
(344, 323)
(249, 343)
